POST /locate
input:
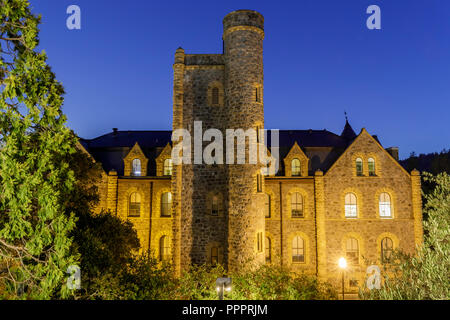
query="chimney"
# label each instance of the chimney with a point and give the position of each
(115, 131)
(393, 151)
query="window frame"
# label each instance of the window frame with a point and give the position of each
(382, 205)
(215, 205)
(214, 256)
(134, 206)
(384, 259)
(267, 206)
(168, 167)
(298, 251)
(268, 246)
(298, 169)
(164, 248)
(295, 204)
(134, 172)
(166, 207)
(351, 209)
(359, 167)
(371, 167)
(352, 254)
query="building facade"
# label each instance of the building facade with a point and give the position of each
(335, 195)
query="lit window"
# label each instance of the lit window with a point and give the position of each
(352, 251)
(134, 208)
(371, 163)
(267, 206)
(136, 164)
(166, 204)
(351, 208)
(268, 250)
(297, 205)
(385, 205)
(214, 255)
(164, 248)
(215, 206)
(386, 250)
(168, 167)
(259, 240)
(359, 167)
(298, 250)
(215, 96)
(295, 167)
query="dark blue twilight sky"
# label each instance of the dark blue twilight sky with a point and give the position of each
(319, 58)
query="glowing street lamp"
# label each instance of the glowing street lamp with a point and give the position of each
(343, 265)
(223, 284)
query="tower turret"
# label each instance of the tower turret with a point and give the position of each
(243, 84)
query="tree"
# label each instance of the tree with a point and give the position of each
(425, 275)
(34, 176)
(107, 245)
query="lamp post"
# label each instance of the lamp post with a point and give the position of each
(223, 284)
(343, 265)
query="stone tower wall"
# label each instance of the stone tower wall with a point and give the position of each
(243, 55)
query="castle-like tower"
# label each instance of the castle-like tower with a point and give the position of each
(244, 79)
(223, 91)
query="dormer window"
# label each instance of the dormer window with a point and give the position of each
(168, 167)
(295, 167)
(136, 168)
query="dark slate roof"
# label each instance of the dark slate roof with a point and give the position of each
(146, 139)
(308, 138)
(111, 148)
(321, 146)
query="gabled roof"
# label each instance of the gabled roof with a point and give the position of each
(322, 147)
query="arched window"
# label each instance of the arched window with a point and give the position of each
(214, 255)
(215, 96)
(359, 167)
(385, 205)
(295, 167)
(164, 248)
(166, 204)
(352, 251)
(267, 206)
(268, 250)
(136, 164)
(134, 207)
(387, 247)
(215, 205)
(351, 209)
(298, 250)
(371, 163)
(297, 205)
(168, 167)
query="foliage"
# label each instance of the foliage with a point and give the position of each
(105, 242)
(270, 282)
(425, 275)
(35, 177)
(266, 282)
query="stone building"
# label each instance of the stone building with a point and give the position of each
(335, 195)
